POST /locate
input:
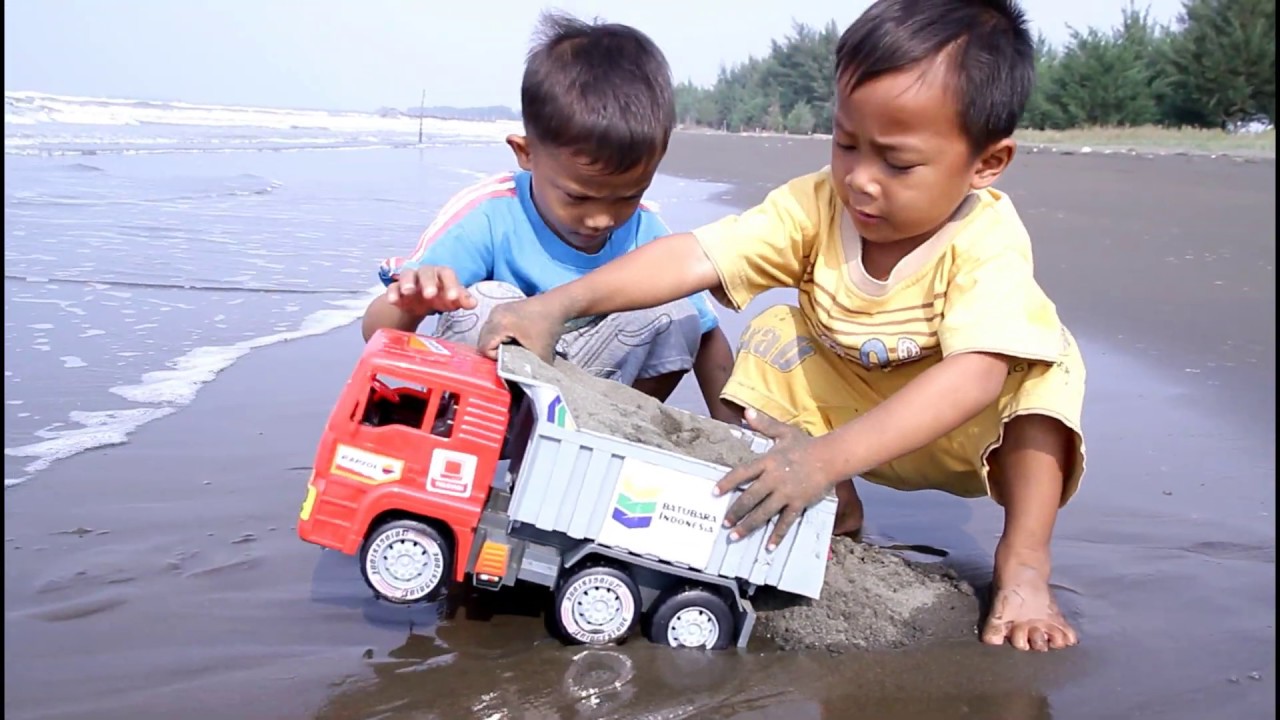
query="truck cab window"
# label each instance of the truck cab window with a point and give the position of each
(443, 424)
(393, 401)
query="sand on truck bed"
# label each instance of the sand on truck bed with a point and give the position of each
(873, 598)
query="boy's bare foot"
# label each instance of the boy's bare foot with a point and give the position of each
(848, 511)
(1023, 610)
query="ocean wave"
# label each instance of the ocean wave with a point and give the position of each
(179, 285)
(36, 199)
(117, 191)
(20, 140)
(97, 429)
(83, 150)
(166, 391)
(31, 119)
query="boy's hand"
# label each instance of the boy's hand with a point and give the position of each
(429, 289)
(534, 324)
(786, 480)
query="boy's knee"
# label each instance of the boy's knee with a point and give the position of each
(1035, 447)
(495, 291)
(637, 344)
(673, 347)
(687, 325)
(463, 326)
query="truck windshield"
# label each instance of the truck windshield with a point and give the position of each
(395, 401)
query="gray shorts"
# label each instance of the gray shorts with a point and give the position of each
(623, 347)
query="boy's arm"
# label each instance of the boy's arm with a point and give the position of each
(664, 270)
(798, 470)
(658, 272)
(381, 313)
(739, 256)
(736, 257)
(913, 417)
(449, 256)
(994, 315)
(712, 367)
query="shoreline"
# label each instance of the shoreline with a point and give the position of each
(1088, 143)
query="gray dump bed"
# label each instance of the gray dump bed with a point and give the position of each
(650, 502)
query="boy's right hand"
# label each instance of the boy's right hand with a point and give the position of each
(429, 289)
(534, 324)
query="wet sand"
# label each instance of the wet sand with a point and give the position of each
(164, 578)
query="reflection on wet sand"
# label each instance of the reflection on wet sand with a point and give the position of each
(424, 678)
(489, 658)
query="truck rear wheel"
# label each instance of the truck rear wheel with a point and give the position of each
(692, 617)
(405, 561)
(597, 605)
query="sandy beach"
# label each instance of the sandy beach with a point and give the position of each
(164, 578)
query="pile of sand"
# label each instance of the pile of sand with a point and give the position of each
(872, 597)
(615, 409)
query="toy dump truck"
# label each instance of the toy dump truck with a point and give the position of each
(441, 466)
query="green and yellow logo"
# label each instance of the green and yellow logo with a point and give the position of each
(635, 505)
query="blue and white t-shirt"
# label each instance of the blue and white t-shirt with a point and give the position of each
(491, 231)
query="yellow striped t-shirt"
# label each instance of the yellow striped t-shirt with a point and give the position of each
(969, 288)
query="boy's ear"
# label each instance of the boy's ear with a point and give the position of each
(520, 146)
(992, 163)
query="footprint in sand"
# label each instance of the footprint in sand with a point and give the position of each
(97, 585)
(97, 580)
(197, 564)
(79, 608)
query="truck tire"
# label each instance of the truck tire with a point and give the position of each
(692, 617)
(406, 561)
(596, 605)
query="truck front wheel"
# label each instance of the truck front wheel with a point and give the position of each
(597, 605)
(405, 561)
(693, 617)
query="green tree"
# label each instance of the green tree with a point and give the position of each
(1215, 67)
(1222, 62)
(800, 120)
(1106, 77)
(774, 120)
(688, 98)
(1040, 113)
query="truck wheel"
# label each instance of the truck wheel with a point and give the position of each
(692, 617)
(597, 605)
(405, 561)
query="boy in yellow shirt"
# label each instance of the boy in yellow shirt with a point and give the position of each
(923, 353)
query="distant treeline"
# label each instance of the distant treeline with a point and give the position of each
(1215, 67)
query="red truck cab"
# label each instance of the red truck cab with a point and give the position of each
(411, 447)
(439, 467)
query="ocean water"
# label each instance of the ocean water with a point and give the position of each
(149, 245)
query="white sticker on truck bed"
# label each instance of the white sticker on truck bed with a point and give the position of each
(662, 512)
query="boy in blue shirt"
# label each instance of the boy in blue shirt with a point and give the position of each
(598, 109)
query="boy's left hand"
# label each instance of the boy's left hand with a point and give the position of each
(785, 481)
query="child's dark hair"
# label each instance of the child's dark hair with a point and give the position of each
(990, 53)
(601, 89)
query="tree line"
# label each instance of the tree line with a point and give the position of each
(1213, 67)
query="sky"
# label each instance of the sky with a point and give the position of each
(366, 54)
